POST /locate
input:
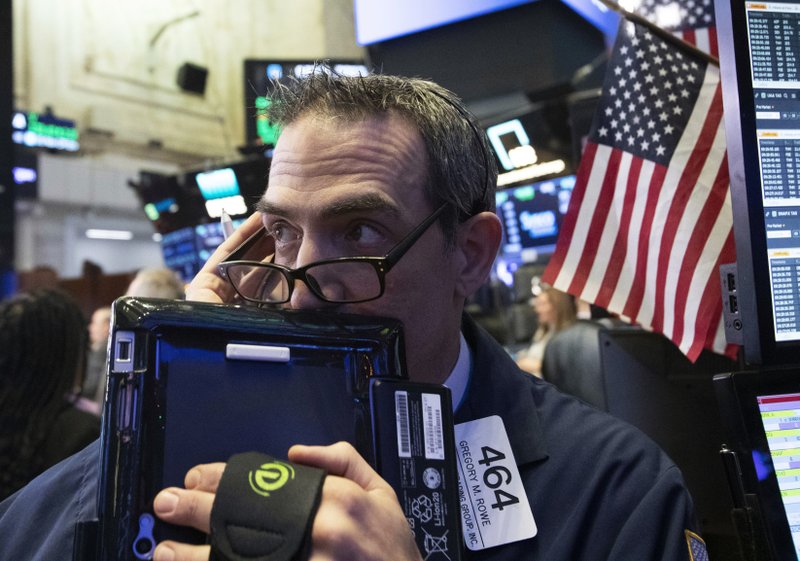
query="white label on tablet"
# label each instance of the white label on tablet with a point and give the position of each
(432, 426)
(403, 424)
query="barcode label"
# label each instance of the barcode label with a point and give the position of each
(434, 433)
(403, 429)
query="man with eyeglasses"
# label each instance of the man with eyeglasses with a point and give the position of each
(380, 201)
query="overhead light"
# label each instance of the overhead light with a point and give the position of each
(99, 234)
(531, 172)
(157, 237)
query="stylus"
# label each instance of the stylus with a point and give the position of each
(226, 223)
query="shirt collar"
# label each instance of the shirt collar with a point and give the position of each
(459, 377)
(496, 386)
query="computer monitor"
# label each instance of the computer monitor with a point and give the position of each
(180, 252)
(532, 215)
(186, 250)
(168, 201)
(761, 94)
(258, 77)
(221, 192)
(208, 237)
(762, 411)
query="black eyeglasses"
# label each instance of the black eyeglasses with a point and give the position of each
(343, 280)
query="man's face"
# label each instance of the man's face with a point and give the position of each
(99, 327)
(355, 189)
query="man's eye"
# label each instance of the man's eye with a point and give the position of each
(283, 233)
(366, 235)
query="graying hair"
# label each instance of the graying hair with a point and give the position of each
(461, 168)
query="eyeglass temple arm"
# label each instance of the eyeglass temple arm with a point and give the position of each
(400, 249)
(246, 245)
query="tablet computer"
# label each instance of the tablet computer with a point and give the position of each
(192, 383)
(761, 409)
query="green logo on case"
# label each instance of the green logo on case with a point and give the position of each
(270, 477)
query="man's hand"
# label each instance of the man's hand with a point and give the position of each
(208, 285)
(359, 518)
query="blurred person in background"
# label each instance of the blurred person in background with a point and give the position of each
(156, 283)
(148, 283)
(43, 342)
(95, 382)
(556, 311)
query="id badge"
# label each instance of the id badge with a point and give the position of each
(494, 507)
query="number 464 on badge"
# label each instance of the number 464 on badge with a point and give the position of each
(494, 506)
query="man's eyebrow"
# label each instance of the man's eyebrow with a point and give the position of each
(367, 202)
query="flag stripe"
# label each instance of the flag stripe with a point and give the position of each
(713, 49)
(683, 171)
(567, 229)
(688, 35)
(707, 267)
(711, 310)
(645, 189)
(594, 254)
(586, 210)
(701, 240)
(718, 250)
(616, 260)
(701, 189)
(634, 299)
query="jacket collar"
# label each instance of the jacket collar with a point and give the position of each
(498, 387)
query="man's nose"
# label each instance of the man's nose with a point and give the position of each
(303, 298)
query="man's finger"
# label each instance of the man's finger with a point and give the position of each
(207, 285)
(184, 507)
(174, 551)
(205, 477)
(339, 459)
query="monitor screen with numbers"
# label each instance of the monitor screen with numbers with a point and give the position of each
(760, 70)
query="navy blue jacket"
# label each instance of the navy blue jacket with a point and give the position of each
(599, 489)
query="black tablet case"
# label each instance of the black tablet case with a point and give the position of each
(176, 398)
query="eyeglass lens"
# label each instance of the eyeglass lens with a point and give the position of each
(336, 281)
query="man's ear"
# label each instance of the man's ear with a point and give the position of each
(477, 242)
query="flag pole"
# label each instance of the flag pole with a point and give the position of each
(661, 33)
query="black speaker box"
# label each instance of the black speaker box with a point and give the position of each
(192, 78)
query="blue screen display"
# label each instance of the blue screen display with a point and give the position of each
(180, 253)
(532, 215)
(217, 184)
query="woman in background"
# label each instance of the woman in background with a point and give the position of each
(43, 342)
(556, 311)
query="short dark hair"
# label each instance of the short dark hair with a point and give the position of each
(461, 168)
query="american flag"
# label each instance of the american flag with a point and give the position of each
(650, 220)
